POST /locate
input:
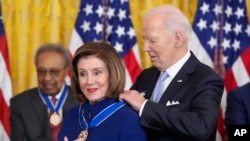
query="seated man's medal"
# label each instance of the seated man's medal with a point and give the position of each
(55, 119)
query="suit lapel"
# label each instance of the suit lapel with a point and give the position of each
(42, 113)
(69, 102)
(180, 79)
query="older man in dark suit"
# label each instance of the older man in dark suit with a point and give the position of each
(37, 113)
(182, 96)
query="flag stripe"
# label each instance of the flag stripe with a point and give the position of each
(195, 46)
(5, 86)
(4, 51)
(75, 42)
(3, 135)
(246, 58)
(240, 73)
(132, 65)
(221, 130)
(4, 117)
(230, 81)
(5, 81)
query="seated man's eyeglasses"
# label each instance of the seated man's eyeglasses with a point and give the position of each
(52, 72)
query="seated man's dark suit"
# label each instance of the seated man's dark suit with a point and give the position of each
(30, 116)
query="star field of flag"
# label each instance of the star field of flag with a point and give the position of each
(223, 25)
(113, 25)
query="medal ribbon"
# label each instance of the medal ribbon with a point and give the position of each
(103, 115)
(60, 101)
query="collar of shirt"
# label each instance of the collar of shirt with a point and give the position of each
(174, 69)
(59, 94)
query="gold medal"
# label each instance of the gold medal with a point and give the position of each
(83, 135)
(55, 119)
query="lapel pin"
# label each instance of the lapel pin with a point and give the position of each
(179, 81)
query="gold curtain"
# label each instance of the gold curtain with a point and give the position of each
(31, 23)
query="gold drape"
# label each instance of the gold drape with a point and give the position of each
(31, 23)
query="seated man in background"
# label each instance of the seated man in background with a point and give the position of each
(37, 113)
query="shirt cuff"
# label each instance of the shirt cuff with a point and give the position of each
(142, 107)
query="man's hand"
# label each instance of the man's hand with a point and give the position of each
(133, 98)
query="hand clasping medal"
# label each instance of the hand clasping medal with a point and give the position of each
(83, 135)
(55, 119)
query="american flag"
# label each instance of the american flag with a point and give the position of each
(222, 40)
(5, 84)
(109, 21)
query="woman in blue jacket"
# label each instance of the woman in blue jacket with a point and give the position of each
(98, 77)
